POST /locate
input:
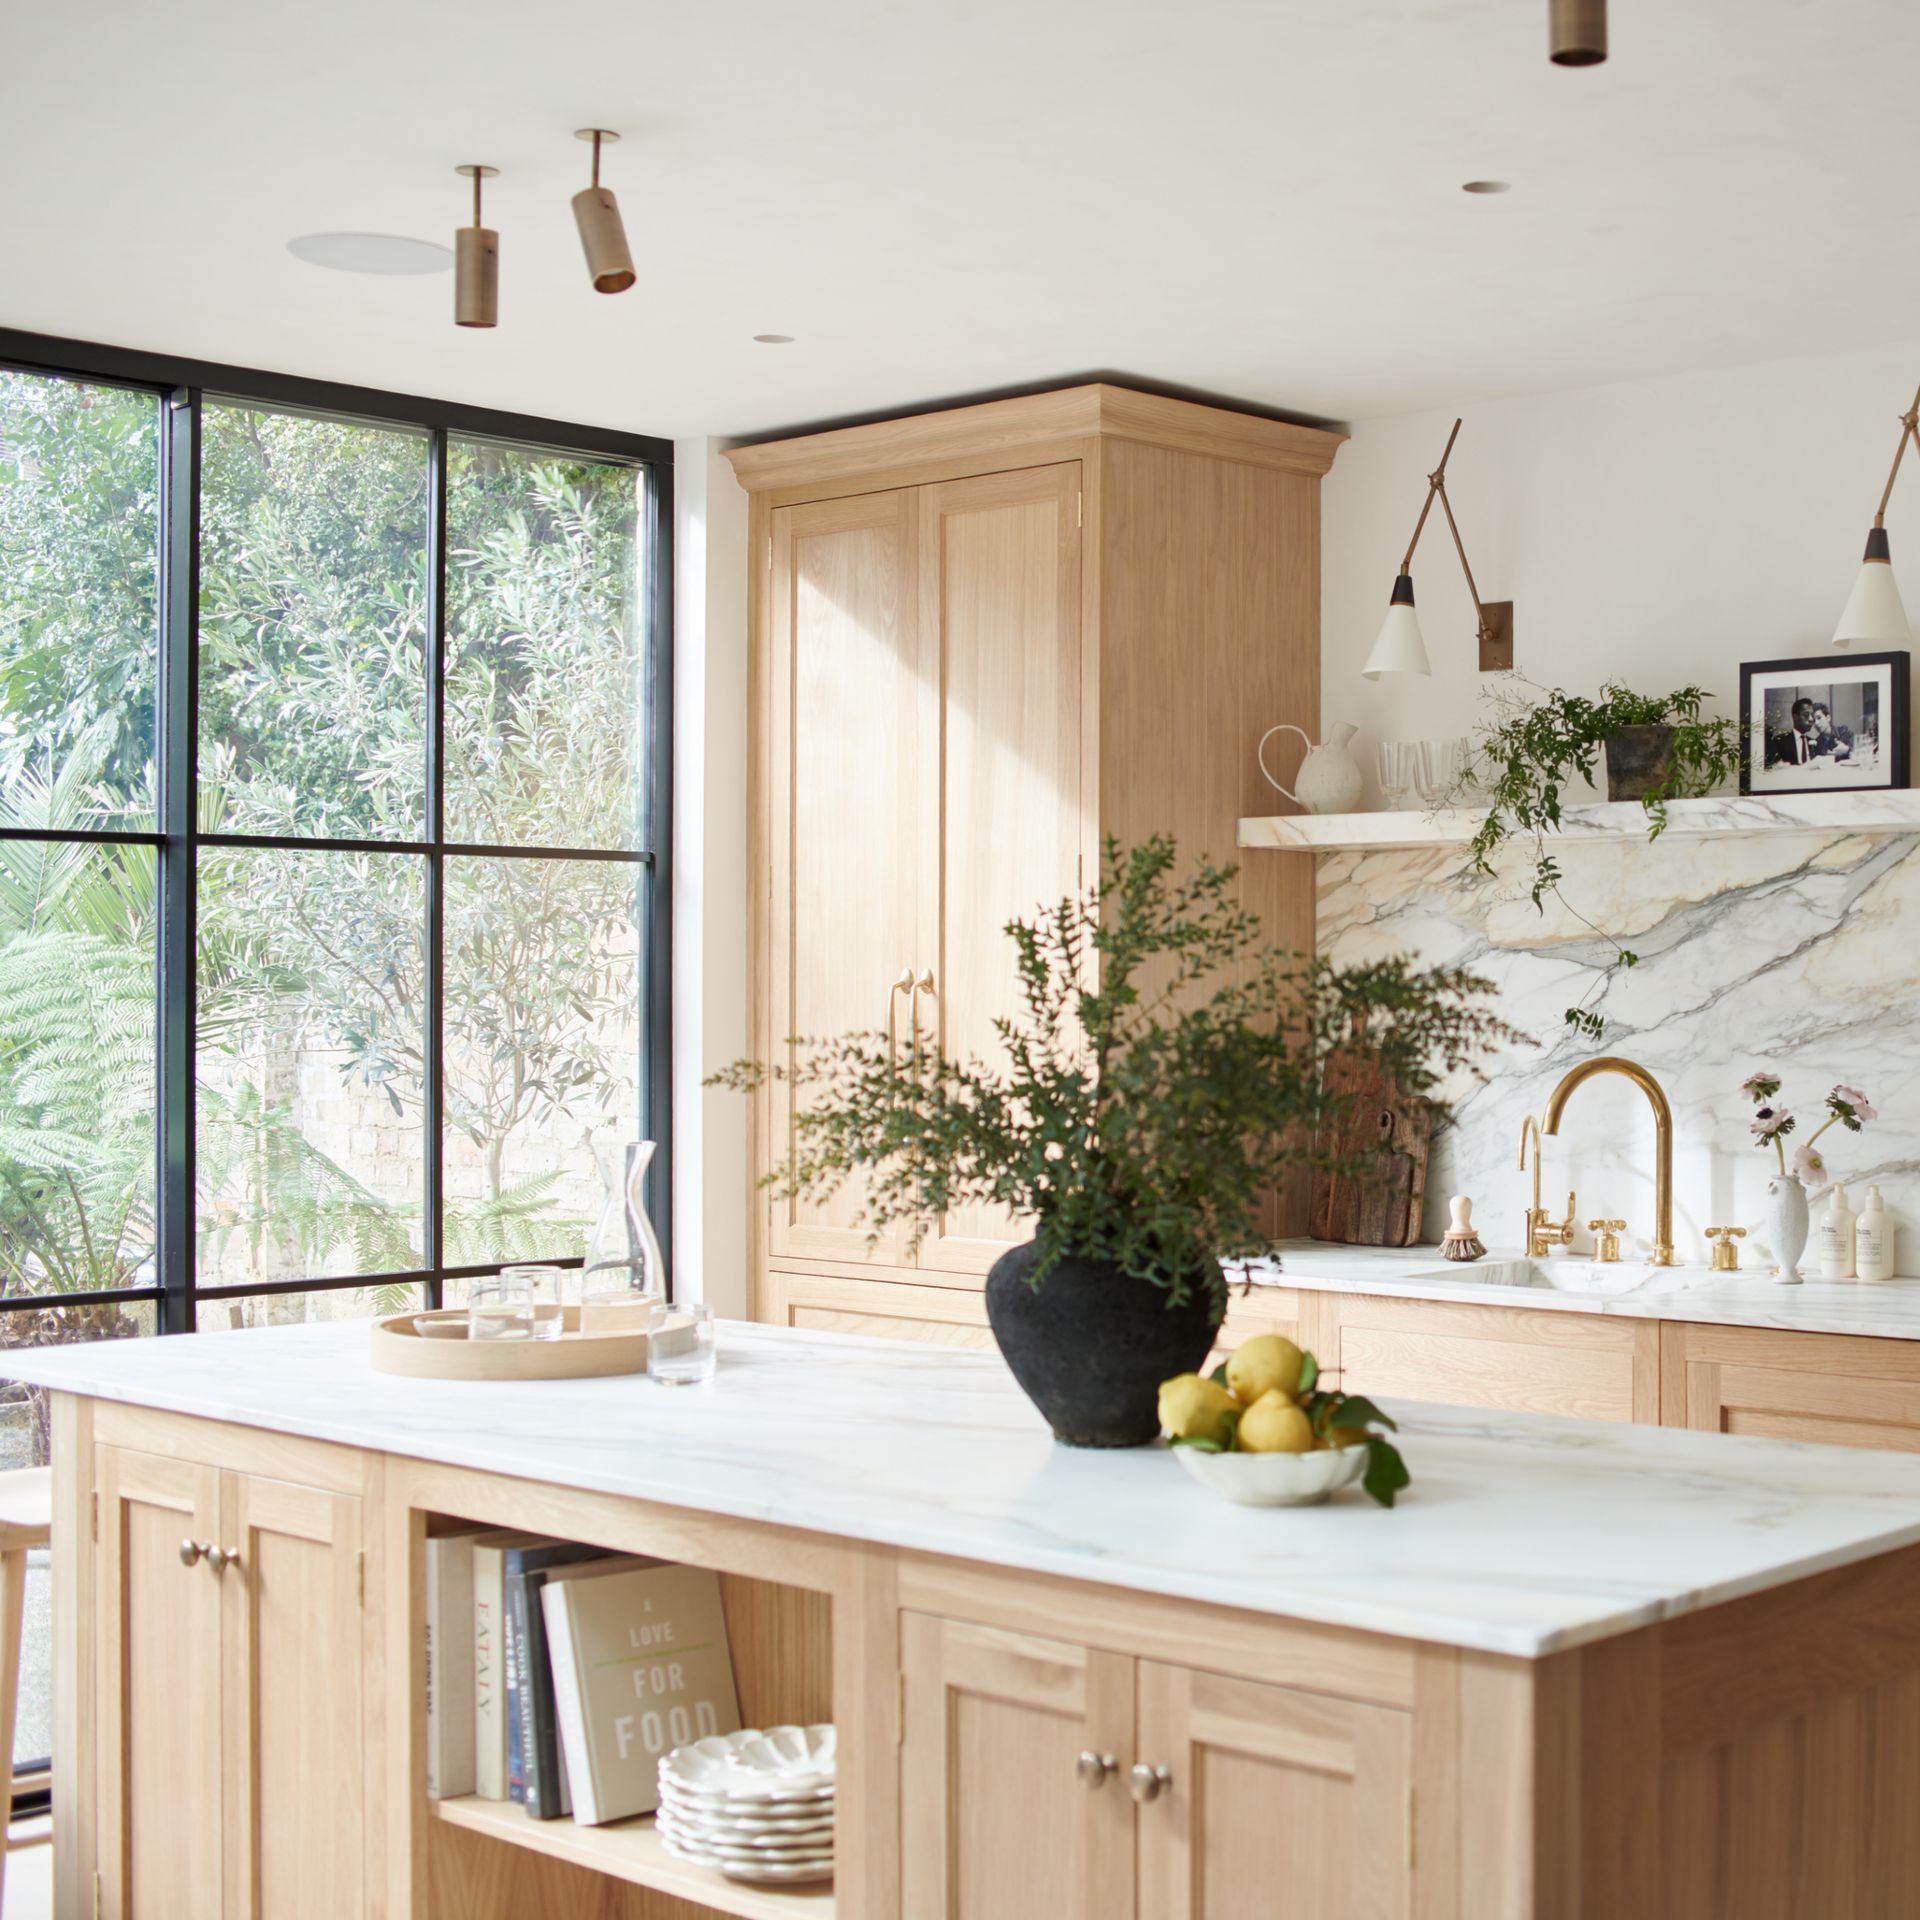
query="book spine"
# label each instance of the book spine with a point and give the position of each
(520, 1775)
(450, 1733)
(547, 1798)
(569, 1709)
(489, 1677)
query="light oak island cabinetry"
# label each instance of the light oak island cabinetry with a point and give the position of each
(983, 640)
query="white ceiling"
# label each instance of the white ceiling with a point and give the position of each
(1253, 198)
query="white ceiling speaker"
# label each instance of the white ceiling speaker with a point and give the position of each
(386, 253)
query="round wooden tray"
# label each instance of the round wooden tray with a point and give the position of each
(400, 1347)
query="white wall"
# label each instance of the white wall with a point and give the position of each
(1656, 533)
(709, 875)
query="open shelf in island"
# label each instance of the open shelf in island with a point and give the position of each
(632, 1850)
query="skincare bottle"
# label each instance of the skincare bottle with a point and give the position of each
(1873, 1240)
(1833, 1238)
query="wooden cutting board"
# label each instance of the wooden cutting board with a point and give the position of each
(1393, 1135)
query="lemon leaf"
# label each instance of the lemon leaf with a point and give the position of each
(1309, 1372)
(1386, 1472)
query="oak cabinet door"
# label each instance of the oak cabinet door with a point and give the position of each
(854, 740)
(999, 573)
(996, 1820)
(157, 1687)
(882, 1310)
(1276, 1801)
(1834, 1409)
(294, 1741)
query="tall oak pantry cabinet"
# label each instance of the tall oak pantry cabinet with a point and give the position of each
(982, 641)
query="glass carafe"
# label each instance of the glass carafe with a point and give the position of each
(623, 1253)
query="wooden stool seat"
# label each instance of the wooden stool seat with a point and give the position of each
(26, 1521)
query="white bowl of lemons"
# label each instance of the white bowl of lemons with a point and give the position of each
(1264, 1431)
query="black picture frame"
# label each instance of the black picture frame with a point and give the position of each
(1857, 690)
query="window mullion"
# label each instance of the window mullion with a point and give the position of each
(433, 1196)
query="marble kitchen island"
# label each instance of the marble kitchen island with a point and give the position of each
(1582, 1670)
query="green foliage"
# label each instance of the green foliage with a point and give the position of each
(1139, 1121)
(1534, 753)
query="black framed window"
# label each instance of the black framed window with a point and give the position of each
(335, 768)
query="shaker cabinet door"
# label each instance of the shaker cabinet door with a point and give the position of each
(157, 1686)
(854, 737)
(1276, 1801)
(998, 1815)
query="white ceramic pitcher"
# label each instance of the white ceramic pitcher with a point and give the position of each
(1329, 777)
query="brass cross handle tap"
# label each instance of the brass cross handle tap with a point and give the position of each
(1609, 1231)
(1726, 1256)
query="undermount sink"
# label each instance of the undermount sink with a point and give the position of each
(1571, 1274)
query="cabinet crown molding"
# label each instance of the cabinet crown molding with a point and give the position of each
(1031, 428)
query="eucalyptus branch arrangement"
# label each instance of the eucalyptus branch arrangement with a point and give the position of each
(1846, 1107)
(1161, 1073)
(1534, 751)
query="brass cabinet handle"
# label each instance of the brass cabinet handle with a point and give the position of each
(1092, 1769)
(924, 984)
(192, 1550)
(1147, 1783)
(902, 985)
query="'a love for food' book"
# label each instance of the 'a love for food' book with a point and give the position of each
(640, 1666)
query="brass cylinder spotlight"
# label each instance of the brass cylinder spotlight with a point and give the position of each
(597, 214)
(476, 263)
(1577, 32)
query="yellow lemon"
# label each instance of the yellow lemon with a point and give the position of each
(1195, 1409)
(1346, 1436)
(1273, 1424)
(1267, 1363)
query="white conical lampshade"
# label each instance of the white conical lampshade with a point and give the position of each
(1400, 647)
(1874, 612)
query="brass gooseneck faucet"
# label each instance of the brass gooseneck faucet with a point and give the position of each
(1662, 1138)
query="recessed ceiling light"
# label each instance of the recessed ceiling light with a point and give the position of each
(370, 253)
(1486, 186)
(774, 339)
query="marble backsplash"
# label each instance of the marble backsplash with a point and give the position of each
(1796, 952)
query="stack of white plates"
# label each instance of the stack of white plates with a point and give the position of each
(757, 1805)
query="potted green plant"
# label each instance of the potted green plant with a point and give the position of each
(1160, 1076)
(1526, 760)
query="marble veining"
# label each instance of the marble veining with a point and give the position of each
(1522, 1534)
(1792, 951)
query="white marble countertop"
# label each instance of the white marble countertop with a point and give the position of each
(1880, 1309)
(1521, 1534)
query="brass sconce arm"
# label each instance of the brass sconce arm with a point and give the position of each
(1493, 623)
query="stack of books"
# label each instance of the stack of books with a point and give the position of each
(559, 1676)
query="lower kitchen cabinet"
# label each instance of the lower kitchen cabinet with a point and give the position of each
(1835, 1389)
(1042, 1777)
(883, 1309)
(229, 1705)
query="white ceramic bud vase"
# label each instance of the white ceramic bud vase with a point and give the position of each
(1784, 1226)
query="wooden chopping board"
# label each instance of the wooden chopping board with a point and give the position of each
(1394, 1136)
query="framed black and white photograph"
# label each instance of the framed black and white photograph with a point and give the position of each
(1834, 723)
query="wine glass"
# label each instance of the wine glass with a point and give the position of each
(1439, 769)
(1395, 767)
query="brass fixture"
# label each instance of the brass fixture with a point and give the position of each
(1662, 1137)
(902, 985)
(1400, 647)
(597, 214)
(1576, 32)
(1542, 1231)
(1608, 1251)
(1874, 612)
(1726, 1256)
(476, 263)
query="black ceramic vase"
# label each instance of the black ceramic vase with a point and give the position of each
(1091, 1345)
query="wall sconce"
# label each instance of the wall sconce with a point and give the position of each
(476, 263)
(1874, 611)
(1576, 32)
(597, 214)
(1401, 647)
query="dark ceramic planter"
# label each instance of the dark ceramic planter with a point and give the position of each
(1091, 1345)
(1638, 760)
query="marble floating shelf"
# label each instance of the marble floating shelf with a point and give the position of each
(1895, 810)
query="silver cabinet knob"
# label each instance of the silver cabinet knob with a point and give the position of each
(221, 1558)
(1148, 1783)
(1092, 1769)
(191, 1550)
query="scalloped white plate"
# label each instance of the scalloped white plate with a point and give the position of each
(755, 1763)
(1275, 1479)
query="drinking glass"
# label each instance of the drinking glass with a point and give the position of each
(1395, 766)
(1439, 767)
(499, 1307)
(545, 1317)
(680, 1344)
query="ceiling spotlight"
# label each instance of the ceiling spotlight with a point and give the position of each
(1486, 186)
(774, 339)
(1577, 32)
(476, 275)
(388, 253)
(597, 214)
